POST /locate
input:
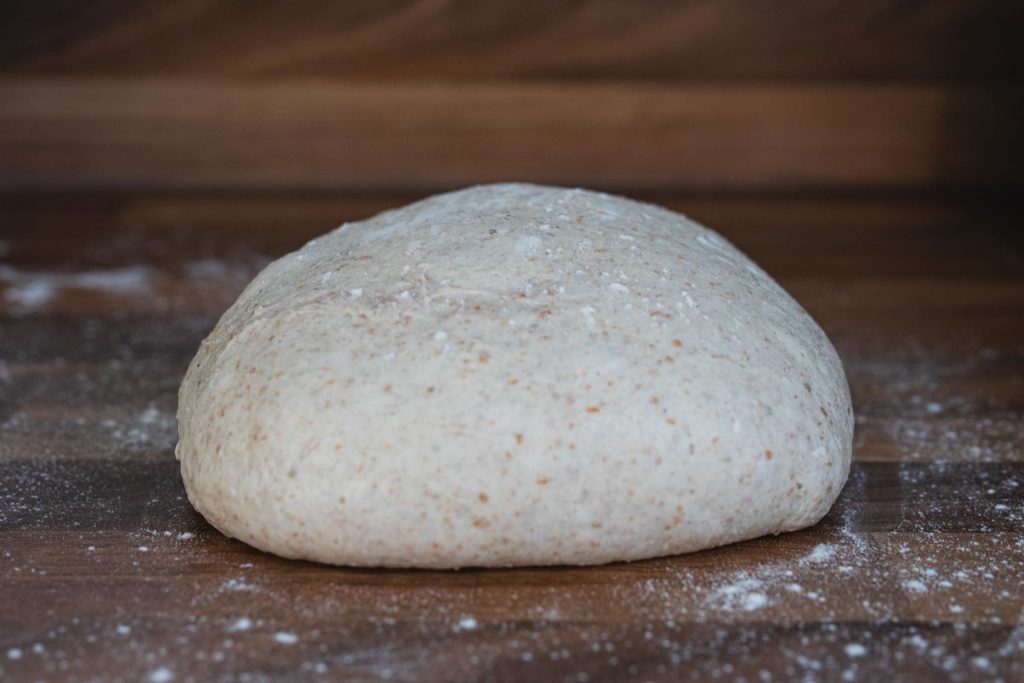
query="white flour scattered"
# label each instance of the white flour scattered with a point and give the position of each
(823, 552)
(237, 585)
(161, 675)
(29, 290)
(744, 594)
(855, 650)
(240, 624)
(152, 429)
(752, 601)
(917, 414)
(466, 624)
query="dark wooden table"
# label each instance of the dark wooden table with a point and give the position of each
(106, 573)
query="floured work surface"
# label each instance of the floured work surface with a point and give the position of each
(106, 572)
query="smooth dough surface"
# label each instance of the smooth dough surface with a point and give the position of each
(508, 375)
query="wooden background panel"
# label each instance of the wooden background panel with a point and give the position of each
(648, 39)
(343, 136)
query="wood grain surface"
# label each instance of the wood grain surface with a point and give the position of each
(106, 573)
(342, 136)
(798, 40)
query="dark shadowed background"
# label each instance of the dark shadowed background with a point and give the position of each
(155, 155)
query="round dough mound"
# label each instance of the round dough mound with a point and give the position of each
(513, 375)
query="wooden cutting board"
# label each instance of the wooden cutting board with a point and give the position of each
(106, 573)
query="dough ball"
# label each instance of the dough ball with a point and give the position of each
(513, 375)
